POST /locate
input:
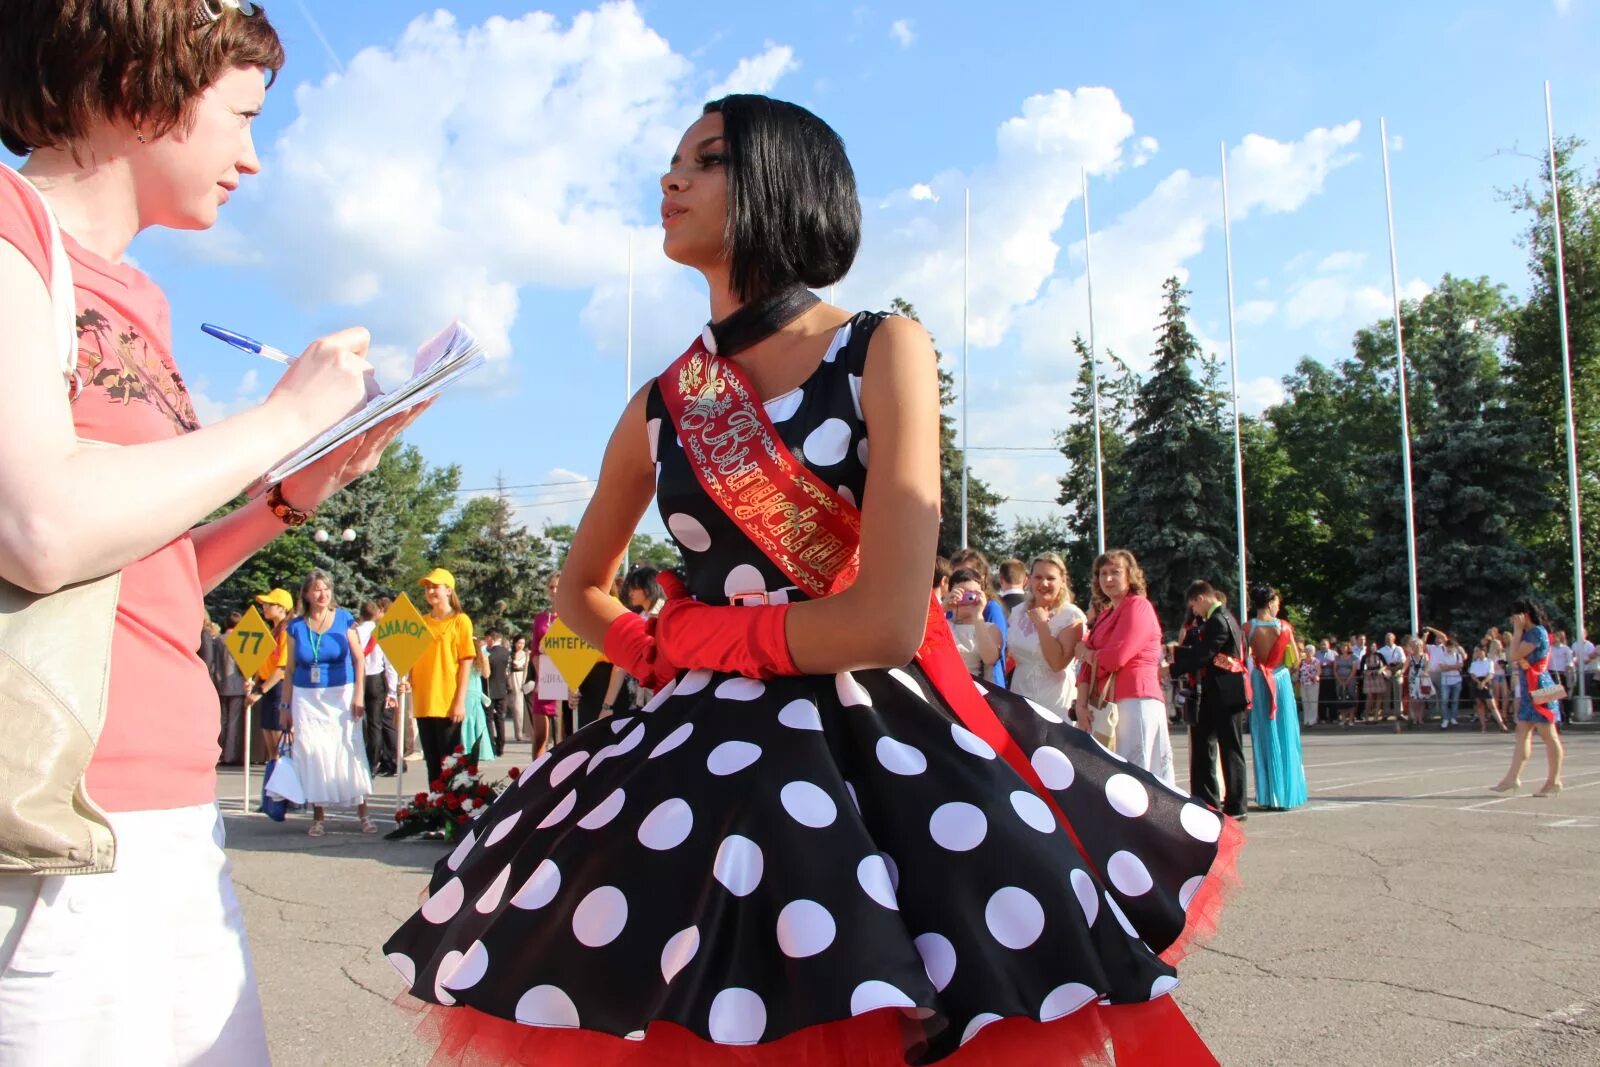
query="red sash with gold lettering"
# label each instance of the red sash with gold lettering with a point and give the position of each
(807, 529)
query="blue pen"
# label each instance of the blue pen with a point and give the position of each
(247, 344)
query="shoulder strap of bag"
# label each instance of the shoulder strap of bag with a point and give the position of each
(63, 302)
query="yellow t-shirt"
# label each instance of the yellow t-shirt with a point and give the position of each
(433, 678)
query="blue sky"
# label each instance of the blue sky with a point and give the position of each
(485, 161)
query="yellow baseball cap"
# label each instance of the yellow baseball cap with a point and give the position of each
(439, 576)
(279, 597)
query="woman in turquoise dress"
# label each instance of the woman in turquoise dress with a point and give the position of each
(1274, 717)
(475, 727)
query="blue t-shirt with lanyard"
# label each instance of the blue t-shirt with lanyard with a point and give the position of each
(323, 659)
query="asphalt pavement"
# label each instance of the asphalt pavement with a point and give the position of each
(1405, 916)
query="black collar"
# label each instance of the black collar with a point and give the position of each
(757, 320)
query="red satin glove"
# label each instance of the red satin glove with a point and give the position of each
(747, 641)
(631, 644)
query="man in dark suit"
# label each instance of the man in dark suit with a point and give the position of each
(1215, 651)
(498, 687)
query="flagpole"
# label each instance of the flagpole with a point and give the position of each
(1233, 368)
(966, 267)
(1400, 371)
(1566, 392)
(628, 369)
(1094, 382)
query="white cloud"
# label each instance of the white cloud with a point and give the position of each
(445, 172)
(901, 31)
(1343, 302)
(247, 393)
(1397, 142)
(560, 497)
(1563, 6)
(1255, 312)
(1144, 150)
(923, 191)
(1258, 394)
(1341, 262)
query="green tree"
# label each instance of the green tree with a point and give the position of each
(1174, 508)
(1118, 389)
(984, 530)
(1535, 365)
(497, 565)
(645, 550)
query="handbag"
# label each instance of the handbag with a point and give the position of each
(283, 781)
(1545, 694)
(55, 669)
(1102, 709)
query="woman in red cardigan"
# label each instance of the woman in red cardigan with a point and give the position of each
(1125, 645)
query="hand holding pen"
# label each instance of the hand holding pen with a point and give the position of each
(320, 390)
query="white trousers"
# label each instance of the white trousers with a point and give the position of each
(1142, 737)
(145, 965)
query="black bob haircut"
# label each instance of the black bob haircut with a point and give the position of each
(1529, 607)
(793, 214)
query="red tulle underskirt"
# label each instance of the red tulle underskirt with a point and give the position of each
(1153, 1034)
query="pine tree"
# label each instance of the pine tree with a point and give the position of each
(984, 530)
(1174, 509)
(497, 565)
(1118, 389)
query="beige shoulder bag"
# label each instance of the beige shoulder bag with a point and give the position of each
(55, 667)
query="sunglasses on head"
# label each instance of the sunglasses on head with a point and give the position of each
(212, 10)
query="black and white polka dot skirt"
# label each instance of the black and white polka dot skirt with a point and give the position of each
(744, 864)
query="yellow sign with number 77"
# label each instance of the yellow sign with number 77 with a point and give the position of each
(251, 642)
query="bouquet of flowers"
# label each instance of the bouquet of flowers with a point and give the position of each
(453, 800)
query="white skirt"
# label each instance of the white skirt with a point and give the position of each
(1142, 737)
(329, 755)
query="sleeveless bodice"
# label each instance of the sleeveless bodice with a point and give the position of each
(821, 424)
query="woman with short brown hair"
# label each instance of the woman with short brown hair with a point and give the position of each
(133, 114)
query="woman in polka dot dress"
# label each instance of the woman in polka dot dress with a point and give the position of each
(821, 842)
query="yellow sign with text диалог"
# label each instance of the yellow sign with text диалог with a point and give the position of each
(403, 634)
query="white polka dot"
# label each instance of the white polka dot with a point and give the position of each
(978, 686)
(870, 996)
(744, 579)
(540, 888)
(958, 826)
(619, 725)
(741, 689)
(1064, 1000)
(898, 757)
(731, 757)
(1044, 712)
(1053, 767)
(1032, 809)
(855, 394)
(968, 741)
(1088, 896)
(546, 1005)
(978, 1023)
(652, 433)
(1122, 919)
(405, 965)
(904, 677)
(693, 682)
(527, 775)
(447, 966)
(893, 869)
(560, 811)
(461, 850)
(854, 800)
(808, 805)
(679, 950)
(604, 811)
(938, 959)
(800, 715)
(1014, 916)
(851, 692)
(689, 531)
(442, 906)
(600, 916)
(633, 1035)
(804, 929)
(873, 875)
(840, 339)
(1162, 986)
(847, 496)
(785, 407)
(667, 825)
(600, 757)
(672, 740)
(470, 971)
(662, 696)
(862, 451)
(1127, 796)
(1201, 824)
(828, 443)
(1187, 891)
(738, 1017)
(568, 765)
(629, 742)
(738, 865)
(1128, 873)
(490, 899)
(502, 828)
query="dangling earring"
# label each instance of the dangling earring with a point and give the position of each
(140, 136)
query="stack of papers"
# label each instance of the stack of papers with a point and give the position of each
(447, 356)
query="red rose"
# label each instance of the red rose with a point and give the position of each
(458, 749)
(514, 773)
(452, 802)
(400, 816)
(462, 820)
(421, 798)
(437, 785)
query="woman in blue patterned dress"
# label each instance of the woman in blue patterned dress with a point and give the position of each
(1274, 720)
